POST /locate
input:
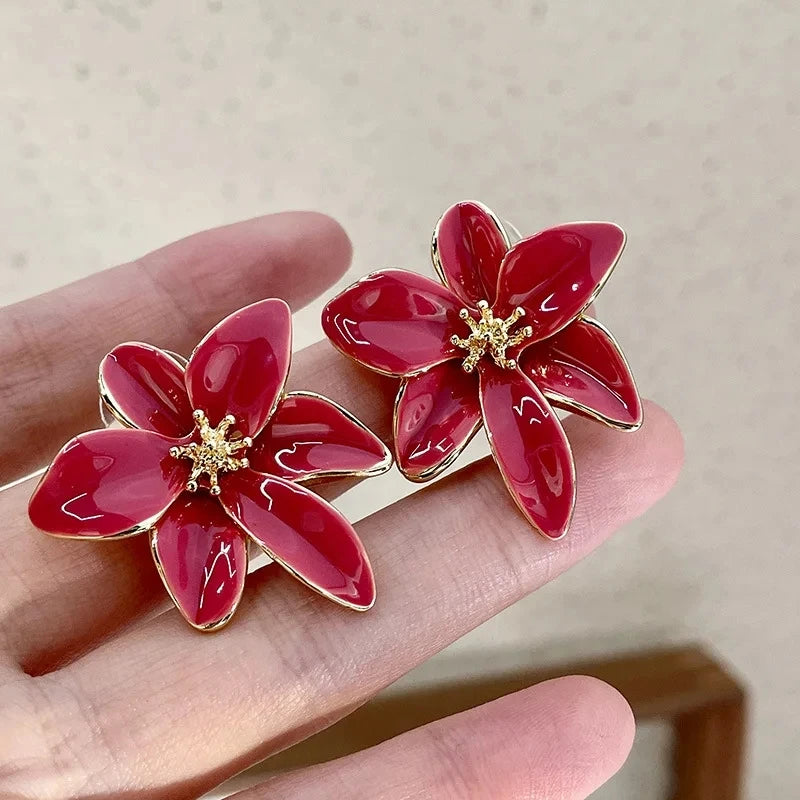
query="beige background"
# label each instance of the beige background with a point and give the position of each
(127, 124)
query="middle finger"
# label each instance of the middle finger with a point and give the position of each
(293, 663)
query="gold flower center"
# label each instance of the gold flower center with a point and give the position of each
(214, 453)
(490, 335)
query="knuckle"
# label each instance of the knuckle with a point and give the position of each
(483, 502)
(52, 746)
(453, 768)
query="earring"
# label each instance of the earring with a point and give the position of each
(210, 453)
(500, 340)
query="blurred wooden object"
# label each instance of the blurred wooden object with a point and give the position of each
(685, 686)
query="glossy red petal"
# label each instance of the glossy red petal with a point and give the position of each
(241, 365)
(394, 321)
(555, 274)
(310, 437)
(144, 388)
(303, 533)
(582, 369)
(436, 415)
(468, 245)
(201, 555)
(530, 448)
(108, 483)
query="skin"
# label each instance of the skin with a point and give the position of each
(105, 692)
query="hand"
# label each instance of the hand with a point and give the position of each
(106, 692)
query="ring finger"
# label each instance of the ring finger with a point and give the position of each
(558, 740)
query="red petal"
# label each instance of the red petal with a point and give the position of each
(144, 388)
(468, 245)
(582, 369)
(201, 555)
(436, 415)
(108, 483)
(241, 365)
(302, 532)
(312, 437)
(555, 274)
(530, 448)
(394, 321)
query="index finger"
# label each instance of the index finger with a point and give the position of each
(51, 345)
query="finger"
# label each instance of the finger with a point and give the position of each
(559, 740)
(59, 597)
(51, 345)
(446, 559)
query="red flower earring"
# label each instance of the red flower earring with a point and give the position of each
(498, 342)
(214, 454)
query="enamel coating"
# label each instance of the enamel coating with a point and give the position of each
(436, 414)
(240, 367)
(467, 248)
(530, 448)
(520, 310)
(144, 388)
(395, 322)
(583, 370)
(555, 274)
(108, 483)
(201, 555)
(121, 482)
(310, 437)
(302, 532)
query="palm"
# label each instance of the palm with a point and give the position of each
(105, 693)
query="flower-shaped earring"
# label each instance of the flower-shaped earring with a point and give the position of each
(213, 454)
(502, 339)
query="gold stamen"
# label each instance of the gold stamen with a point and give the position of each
(490, 335)
(213, 454)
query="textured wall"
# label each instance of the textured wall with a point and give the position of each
(127, 124)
